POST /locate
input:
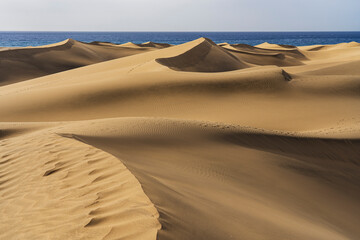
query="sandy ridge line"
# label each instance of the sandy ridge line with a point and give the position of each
(226, 127)
(70, 181)
(115, 137)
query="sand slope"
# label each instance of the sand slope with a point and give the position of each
(55, 188)
(195, 141)
(215, 181)
(204, 57)
(18, 64)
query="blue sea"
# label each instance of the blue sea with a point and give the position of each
(22, 39)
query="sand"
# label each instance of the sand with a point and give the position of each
(19, 64)
(194, 141)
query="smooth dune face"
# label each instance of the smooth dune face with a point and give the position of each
(195, 141)
(204, 57)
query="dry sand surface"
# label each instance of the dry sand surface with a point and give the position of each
(19, 64)
(194, 141)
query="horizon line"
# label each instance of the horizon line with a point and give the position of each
(178, 31)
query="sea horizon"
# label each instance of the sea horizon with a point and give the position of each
(296, 38)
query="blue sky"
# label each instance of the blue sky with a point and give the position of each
(180, 15)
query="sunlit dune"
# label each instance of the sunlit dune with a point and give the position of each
(191, 141)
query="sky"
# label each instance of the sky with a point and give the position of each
(180, 15)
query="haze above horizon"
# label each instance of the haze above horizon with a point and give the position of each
(180, 15)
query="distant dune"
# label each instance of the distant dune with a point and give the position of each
(204, 56)
(18, 64)
(193, 141)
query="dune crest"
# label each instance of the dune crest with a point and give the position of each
(206, 56)
(261, 57)
(155, 45)
(275, 46)
(80, 192)
(19, 64)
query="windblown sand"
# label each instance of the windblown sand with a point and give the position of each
(195, 141)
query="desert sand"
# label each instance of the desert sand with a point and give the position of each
(193, 141)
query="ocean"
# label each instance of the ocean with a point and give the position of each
(23, 39)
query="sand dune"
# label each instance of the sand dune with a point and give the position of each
(146, 44)
(215, 181)
(261, 58)
(20, 64)
(155, 45)
(275, 46)
(81, 192)
(194, 141)
(204, 57)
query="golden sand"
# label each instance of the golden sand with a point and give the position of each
(194, 141)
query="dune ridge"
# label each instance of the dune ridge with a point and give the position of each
(205, 57)
(193, 141)
(198, 170)
(154, 44)
(81, 192)
(19, 64)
